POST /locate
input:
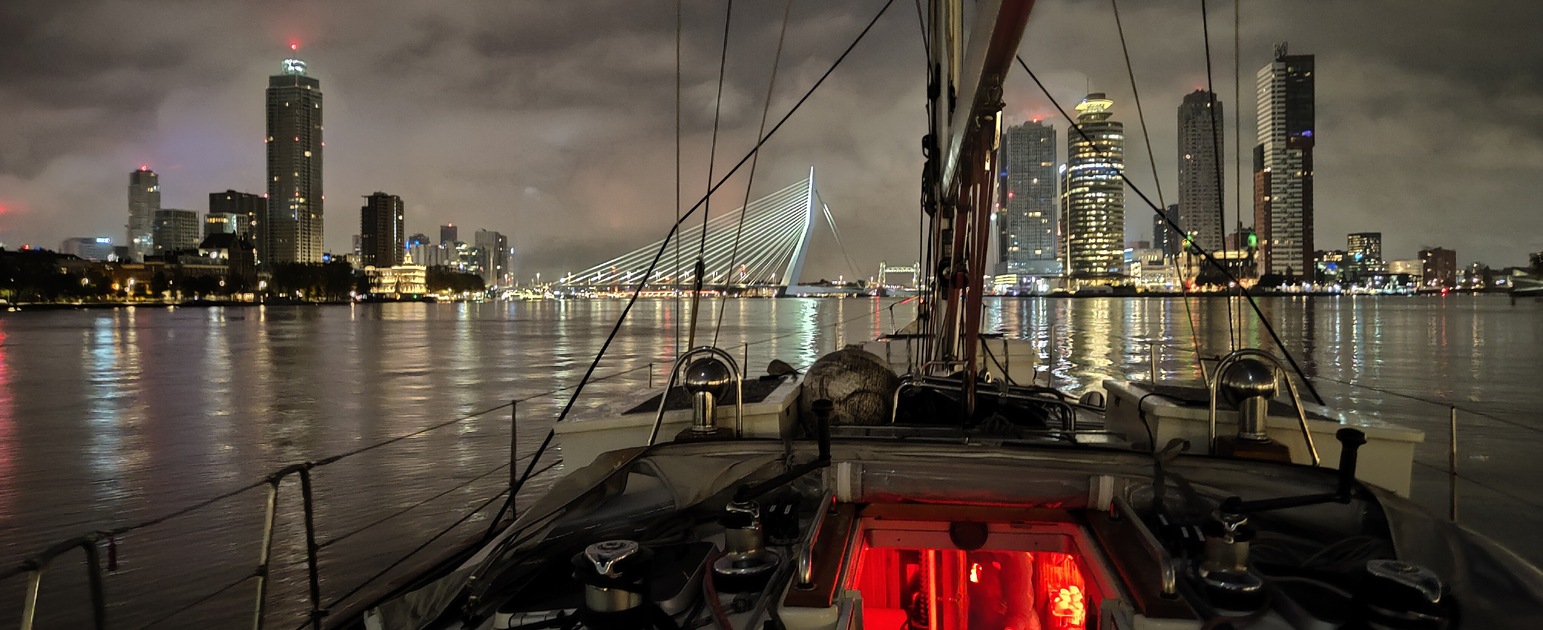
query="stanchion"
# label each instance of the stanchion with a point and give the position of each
(1452, 464)
(514, 442)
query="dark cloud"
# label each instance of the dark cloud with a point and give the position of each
(555, 122)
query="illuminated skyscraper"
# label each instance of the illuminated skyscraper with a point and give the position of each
(1026, 241)
(144, 201)
(1093, 194)
(1283, 164)
(382, 230)
(1200, 183)
(294, 230)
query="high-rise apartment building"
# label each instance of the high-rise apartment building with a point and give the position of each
(175, 230)
(294, 229)
(144, 200)
(1093, 194)
(494, 249)
(1283, 164)
(448, 234)
(1026, 242)
(1200, 177)
(382, 231)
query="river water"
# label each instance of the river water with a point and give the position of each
(110, 418)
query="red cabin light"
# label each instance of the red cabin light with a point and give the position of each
(950, 589)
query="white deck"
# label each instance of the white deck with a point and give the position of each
(609, 428)
(1386, 460)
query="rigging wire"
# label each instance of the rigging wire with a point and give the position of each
(1237, 129)
(677, 175)
(1265, 322)
(1233, 328)
(674, 229)
(787, 11)
(712, 156)
(1130, 69)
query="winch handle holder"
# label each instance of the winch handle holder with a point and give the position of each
(1350, 441)
(823, 408)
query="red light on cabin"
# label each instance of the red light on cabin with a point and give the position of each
(294, 46)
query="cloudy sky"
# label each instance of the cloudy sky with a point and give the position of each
(554, 122)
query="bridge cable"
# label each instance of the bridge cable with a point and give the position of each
(638, 290)
(831, 221)
(1234, 331)
(1130, 69)
(1264, 321)
(712, 156)
(787, 10)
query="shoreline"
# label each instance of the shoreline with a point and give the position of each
(58, 306)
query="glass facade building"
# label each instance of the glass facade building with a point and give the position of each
(1200, 181)
(1026, 242)
(1093, 195)
(1283, 164)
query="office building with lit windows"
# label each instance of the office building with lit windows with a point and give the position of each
(1283, 164)
(493, 253)
(175, 230)
(1026, 243)
(1093, 195)
(1363, 257)
(233, 212)
(295, 213)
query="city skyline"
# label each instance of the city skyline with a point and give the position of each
(539, 152)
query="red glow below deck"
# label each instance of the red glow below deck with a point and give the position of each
(950, 589)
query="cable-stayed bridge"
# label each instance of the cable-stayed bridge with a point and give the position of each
(769, 258)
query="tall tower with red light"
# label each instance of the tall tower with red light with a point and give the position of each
(293, 230)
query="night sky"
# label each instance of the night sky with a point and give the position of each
(553, 122)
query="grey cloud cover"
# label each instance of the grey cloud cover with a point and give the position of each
(554, 121)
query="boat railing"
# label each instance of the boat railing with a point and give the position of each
(1278, 371)
(34, 567)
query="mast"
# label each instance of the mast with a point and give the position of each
(964, 92)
